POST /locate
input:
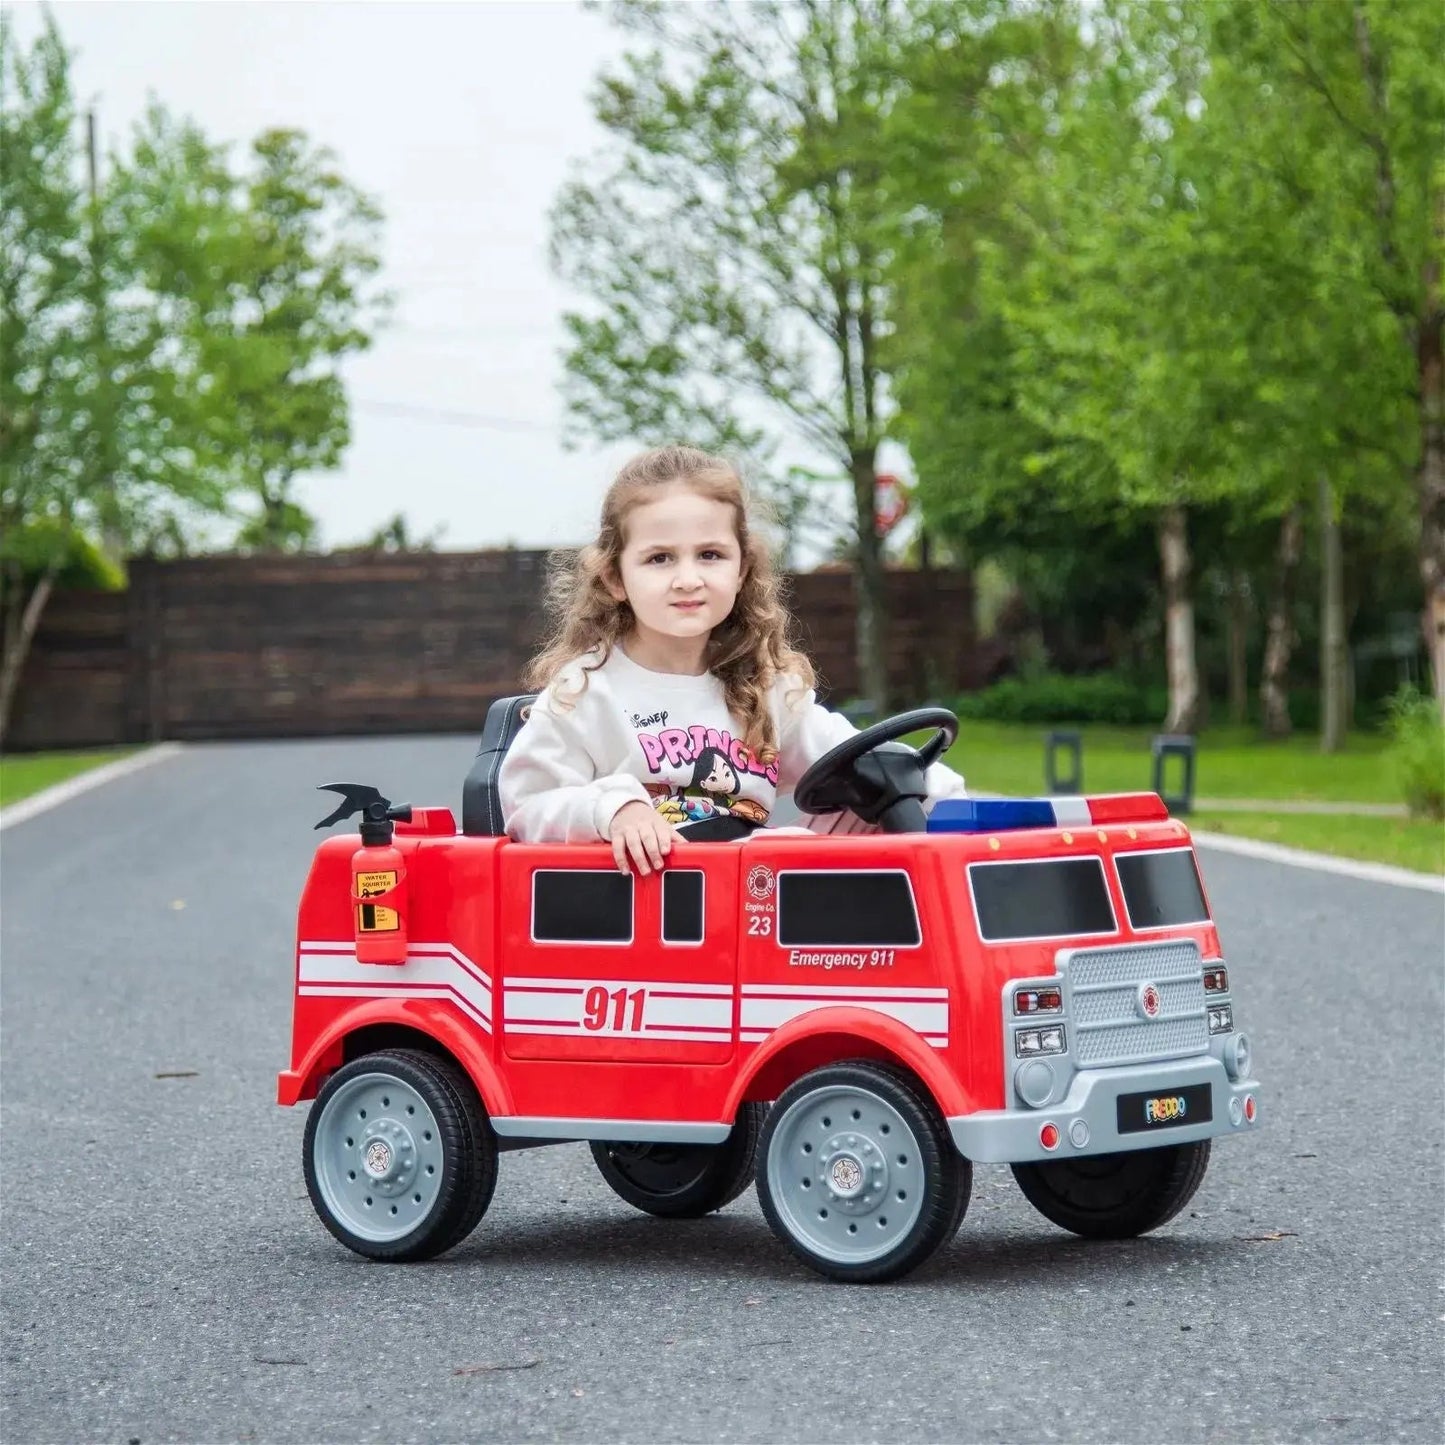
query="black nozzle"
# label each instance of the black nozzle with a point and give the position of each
(377, 813)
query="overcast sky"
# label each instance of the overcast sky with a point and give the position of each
(461, 118)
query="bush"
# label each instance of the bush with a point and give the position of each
(1419, 751)
(1057, 698)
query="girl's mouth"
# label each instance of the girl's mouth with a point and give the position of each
(688, 606)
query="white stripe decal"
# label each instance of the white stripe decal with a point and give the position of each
(431, 970)
(353, 990)
(581, 985)
(1072, 812)
(835, 992)
(670, 1009)
(630, 1008)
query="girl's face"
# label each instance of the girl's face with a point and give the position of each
(681, 565)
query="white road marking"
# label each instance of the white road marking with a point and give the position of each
(49, 798)
(1320, 862)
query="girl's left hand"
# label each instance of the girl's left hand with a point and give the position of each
(637, 832)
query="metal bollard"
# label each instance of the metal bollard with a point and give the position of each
(1072, 741)
(1174, 745)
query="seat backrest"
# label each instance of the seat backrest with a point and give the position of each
(481, 805)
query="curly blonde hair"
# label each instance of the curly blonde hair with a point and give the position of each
(746, 652)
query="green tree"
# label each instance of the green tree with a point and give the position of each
(732, 242)
(86, 447)
(43, 261)
(263, 278)
(1337, 113)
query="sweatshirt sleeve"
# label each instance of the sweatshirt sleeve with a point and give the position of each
(550, 791)
(808, 730)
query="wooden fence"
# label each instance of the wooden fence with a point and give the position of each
(256, 647)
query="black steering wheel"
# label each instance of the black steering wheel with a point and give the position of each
(877, 777)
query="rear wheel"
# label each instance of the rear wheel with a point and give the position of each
(399, 1156)
(1115, 1196)
(857, 1173)
(684, 1181)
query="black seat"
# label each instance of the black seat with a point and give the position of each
(481, 805)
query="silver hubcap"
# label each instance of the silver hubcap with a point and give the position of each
(378, 1157)
(845, 1176)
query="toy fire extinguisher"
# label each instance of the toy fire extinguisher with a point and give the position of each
(378, 872)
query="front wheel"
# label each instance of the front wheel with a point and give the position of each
(400, 1158)
(684, 1181)
(1115, 1196)
(857, 1173)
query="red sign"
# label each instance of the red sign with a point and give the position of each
(890, 503)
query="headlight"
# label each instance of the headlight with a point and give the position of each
(1028, 1042)
(1216, 980)
(1221, 1018)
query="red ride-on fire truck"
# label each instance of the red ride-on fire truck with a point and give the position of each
(853, 1019)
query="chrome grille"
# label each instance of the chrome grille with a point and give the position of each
(1102, 984)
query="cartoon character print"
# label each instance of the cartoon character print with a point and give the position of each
(712, 793)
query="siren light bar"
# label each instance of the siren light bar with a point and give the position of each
(1002, 815)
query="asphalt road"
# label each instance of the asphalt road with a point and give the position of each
(164, 1277)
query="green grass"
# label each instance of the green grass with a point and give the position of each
(1404, 842)
(27, 773)
(1229, 763)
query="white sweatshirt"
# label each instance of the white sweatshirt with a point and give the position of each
(662, 738)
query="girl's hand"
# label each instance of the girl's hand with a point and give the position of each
(637, 830)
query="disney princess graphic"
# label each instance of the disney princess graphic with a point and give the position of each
(712, 793)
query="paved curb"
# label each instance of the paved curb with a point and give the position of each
(1320, 862)
(48, 798)
(1298, 805)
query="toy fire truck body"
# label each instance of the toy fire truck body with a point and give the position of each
(852, 1019)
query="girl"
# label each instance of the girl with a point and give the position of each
(670, 649)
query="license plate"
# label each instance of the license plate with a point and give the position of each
(1165, 1109)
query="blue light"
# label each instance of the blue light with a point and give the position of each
(990, 815)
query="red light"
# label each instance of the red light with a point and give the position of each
(1216, 980)
(1049, 1135)
(1128, 808)
(1249, 1107)
(1043, 1000)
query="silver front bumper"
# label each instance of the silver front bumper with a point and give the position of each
(1087, 1117)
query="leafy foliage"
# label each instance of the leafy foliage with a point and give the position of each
(1056, 698)
(732, 241)
(1419, 752)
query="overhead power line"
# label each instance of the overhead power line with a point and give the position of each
(453, 418)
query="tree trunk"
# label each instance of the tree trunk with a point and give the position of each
(1178, 621)
(1238, 646)
(1279, 630)
(1333, 659)
(18, 637)
(871, 598)
(1430, 479)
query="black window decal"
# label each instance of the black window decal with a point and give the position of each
(1162, 890)
(682, 905)
(846, 908)
(1058, 898)
(581, 907)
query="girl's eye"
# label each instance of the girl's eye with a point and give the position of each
(658, 557)
(712, 556)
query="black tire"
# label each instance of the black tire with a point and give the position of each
(444, 1166)
(684, 1181)
(875, 1130)
(1115, 1196)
